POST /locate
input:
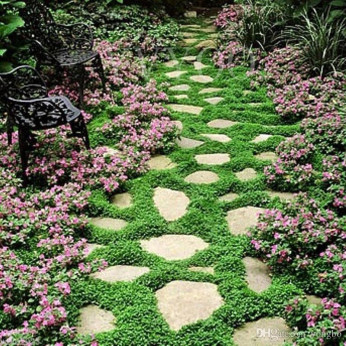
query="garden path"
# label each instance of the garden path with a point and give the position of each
(180, 269)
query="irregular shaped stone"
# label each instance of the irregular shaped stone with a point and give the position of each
(239, 220)
(199, 65)
(171, 204)
(185, 302)
(212, 159)
(190, 14)
(181, 87)
(160, 162)
(214, 35)
(202, 79)
(263, 332)
(314, 300)
(268, 156)
(93, 319)
(202, 177)
(207, 44)
(229, 197)
(122, 200)
(247, 92)
(255, 104)
(221, 123)
(189, 58)
(178, 124)
(188, 143)
(120, 273)
(261, 138)
(257, 274)
(189, 41)
(90, 247)
(175, 74)
(190, 26)
(246, 174)
(217, 137)
(189, 34)
(108, 223)
(208, 30)
(206, 270)
(186, 109)
(287, 196)
(209, 90)
(171, 63)
(214, 100)
(181, 97)
(174, 247)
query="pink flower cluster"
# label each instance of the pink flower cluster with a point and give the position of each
(229, 14)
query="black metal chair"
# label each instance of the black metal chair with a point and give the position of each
(60, 46)
(24, 94)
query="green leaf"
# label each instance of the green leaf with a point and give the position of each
(338, 3)
(2, 51)
(11, 23)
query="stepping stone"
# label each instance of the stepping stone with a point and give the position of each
(202, 177)
(181, 97)
(257, 274)
(175, 74)
(209, 90)
(255, 104)
(178, 124)
(190, 26)
(108, 223)
(181, 87)
(214, 35)
(212, 159)
(122, 200)
(229, 197)
(189, 58)
(221, 123)
(189, 41)
(217, 137)
(246, 174)
(268, 156)
(120, 273)
(214, 100)
(201, 79)
(263, 332)
(287, 196)
(314, 300)
(188, 143)
(261, 138)
(206, 270)
(190, 14)
(171, 63)
(161, 162)
(239, 220)
(199, 66)
(208, 44)
(93, 319)
(208, 30)
(174, 247)
(171, 204)
(189, 34)
(90, 247)
(186, 302)
(186, 109)
(247, 92)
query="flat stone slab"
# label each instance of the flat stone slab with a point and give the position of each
(93, 320)
(108, 223)
(186, 302)
(189, 58)
(90, 247)
(189, 41)
(188, 143)
(246, 174)
(287, 196)
(122, 200)
(209, 90)
(214, 100)
(181, 87)
(189, 34)
(190, 14)
(174, 247)
(221, 123)
(206, 270)
(261, 138)
(172, 205)
(212, 159)
(161, 162)
(214, 35)
(267, 156)
(217, 137)
(171, 63)
(175, 74)
(258, 333)
(202, 79)
(207, 44)
(202, 177)
(239, 220)
(190, 26)
(181, 97)
(120, 273)
(257, 274)
(229, 197)
(247, 92)
(314, 300)
(178, 124)
(186, 109)
(199, 65)
(208, 30)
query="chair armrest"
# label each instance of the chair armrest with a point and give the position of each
(76, 36)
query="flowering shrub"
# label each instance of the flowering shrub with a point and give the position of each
(229, 14)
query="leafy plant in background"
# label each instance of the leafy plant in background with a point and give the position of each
(10, 21)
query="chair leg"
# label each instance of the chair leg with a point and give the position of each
(80, 130)
(9, 130)
(100, 70)
(23, 149)
(81, 81)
